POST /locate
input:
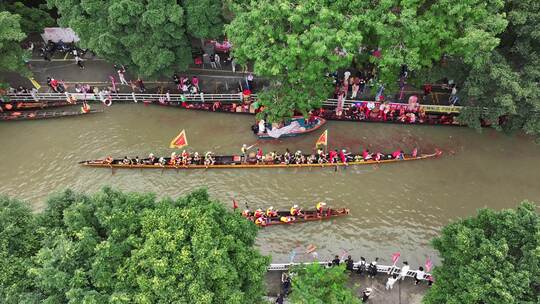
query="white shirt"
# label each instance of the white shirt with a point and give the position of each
(391, 281)
(347, 74)
(371, 105)
(405, 269)
(420, 274)
(262, 127)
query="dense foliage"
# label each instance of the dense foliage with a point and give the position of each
(508, 84)
(12, 55)
(491, 258)
(204, 18)
(34, 14)
(297, 42)
(148, 36)
(316, 284)
(116, 247)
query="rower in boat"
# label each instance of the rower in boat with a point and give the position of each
(270, 212)
(108, 160)
(332, 156)
(151, 159)
(343, 156)
(287, 219)
(172, 160)
(258, 213)
(185, 158)
(137, 160)
(320, 208)
(298, 157)
(260, 221)
(295, 211)
(366, 155)
(208, 159)
(378, 156)
(398, 154)
(246, 213)
(126, 161)
(414, 152)
(162, 161)
(287, 156)
(311, 159)
(259, 155)
(196, 158)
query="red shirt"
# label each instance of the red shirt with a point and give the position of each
(332, 155)
(342, 156)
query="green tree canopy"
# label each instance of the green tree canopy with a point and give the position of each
(34, 16)
(204, 18)
(147, 35)
(508, 84)
(13, 56)
(115, 247)
(316, 284)
(491, 258)
(18, 243)
(296, 41)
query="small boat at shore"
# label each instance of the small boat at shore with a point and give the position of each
(298, 125)
(23, 106)
(33, 115)
(306, 216)
(236, 162)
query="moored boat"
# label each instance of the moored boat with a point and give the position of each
(298, 125)
(33, 115)
(22, 106)
(236, 162)
(306, 216)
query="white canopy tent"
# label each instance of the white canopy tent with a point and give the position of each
(55, 34)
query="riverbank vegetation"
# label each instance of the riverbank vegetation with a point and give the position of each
(115, 247)
(319, 284)
(493, 257)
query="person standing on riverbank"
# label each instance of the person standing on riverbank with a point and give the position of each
(404, 270)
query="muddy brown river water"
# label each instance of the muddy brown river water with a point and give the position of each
(394, 207)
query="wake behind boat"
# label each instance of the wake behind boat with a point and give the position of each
(334, 158)
(298, 125)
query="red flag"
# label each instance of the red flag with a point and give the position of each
(179, 141)
(323, 139)
(395, 257)
(234, 204)
(429, 265)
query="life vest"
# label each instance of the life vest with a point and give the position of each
(271, 213)
(258, 213)
(285, 219)
(319, 207)
(260, 221)
(294, 211)
(85, 108)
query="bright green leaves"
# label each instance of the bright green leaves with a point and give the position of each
(491, 258)
(293, 43)
(13, 56)
(204, 18)
(319, 285)
(129, 248)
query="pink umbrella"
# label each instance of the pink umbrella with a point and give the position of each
(395, 257)
(429, 265)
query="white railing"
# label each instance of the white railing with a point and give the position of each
(390, 270)
(223, 98)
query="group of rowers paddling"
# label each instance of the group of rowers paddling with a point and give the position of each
(261, 218)
(321, 157)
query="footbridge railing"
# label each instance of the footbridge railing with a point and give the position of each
(222, 98)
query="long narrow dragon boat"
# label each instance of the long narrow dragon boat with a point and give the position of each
(235, 162)
(33, 115)
(23, 106)
(306, 216)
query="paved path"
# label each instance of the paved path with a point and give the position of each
(404, 292)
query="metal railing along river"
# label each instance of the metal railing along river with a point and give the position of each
(222, 98)
(390, 270)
